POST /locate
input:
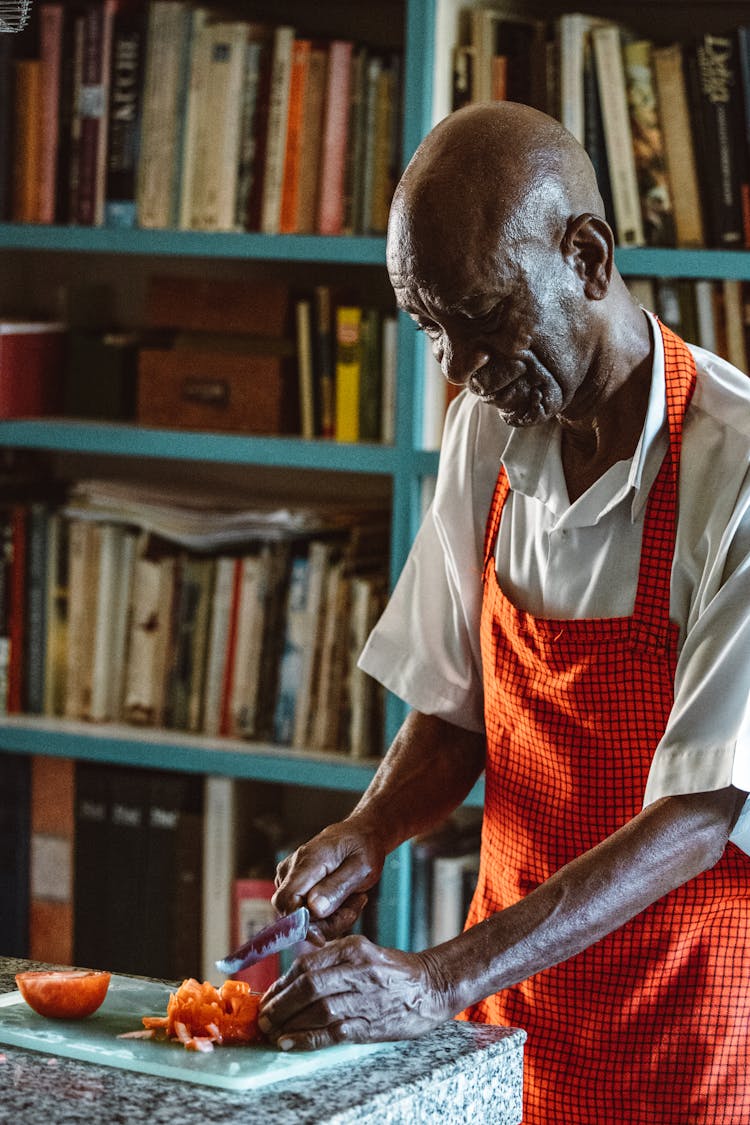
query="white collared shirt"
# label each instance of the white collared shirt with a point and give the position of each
(562, 560)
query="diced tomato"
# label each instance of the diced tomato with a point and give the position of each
(69, 994)
(200, 1015)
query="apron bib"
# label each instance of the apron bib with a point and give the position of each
(651, 1025)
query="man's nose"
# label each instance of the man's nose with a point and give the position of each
(460, 358)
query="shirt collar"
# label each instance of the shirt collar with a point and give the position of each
(532, 456)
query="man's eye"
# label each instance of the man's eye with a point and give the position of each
(430, 330)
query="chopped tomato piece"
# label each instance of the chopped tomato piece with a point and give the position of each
(69, 994)
(200, 1015)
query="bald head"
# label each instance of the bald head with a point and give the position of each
(498, 167)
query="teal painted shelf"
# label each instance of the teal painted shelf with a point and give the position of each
(657, 262)
(358, 250)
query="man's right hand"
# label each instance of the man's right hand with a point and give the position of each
(331, 875)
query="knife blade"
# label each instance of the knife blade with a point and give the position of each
(281, 934)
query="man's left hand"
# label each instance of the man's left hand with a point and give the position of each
(353, 991)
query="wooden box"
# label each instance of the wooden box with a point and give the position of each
(212, 390)
(211, 305)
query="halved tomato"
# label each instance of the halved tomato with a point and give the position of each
(64, 994)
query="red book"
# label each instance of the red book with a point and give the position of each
(335, 133)
(32, 358)
(252, 911)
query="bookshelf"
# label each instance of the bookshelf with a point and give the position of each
(428, 27)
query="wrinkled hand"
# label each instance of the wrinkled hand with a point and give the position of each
(356, 992)
(331, 875)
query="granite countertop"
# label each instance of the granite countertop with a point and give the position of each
(457, 1073)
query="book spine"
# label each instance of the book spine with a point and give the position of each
(743, 58)
(678, 145)
(648, 144)
(247, 166)
(125, 107)
(371, 380)
(278, 118)
(217, 155)
(103, 668)
(221, 609)
(390, 379)
(193, 115)
(6, 127)
(219, 857)
(6, 579)
(292, 654)
(324, 363)
(57, 615)
(348, 371)
(28, 102)
(335, 132)
(51, 20)
(15, 832)
(16, 611)
(290, 181)
(36, 610)
(93, 112)
(309, 159)
(305, 375)
(618, 136)
(51, 870)
(712, 80)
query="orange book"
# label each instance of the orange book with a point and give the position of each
(28, 102)
(290, 183)
(51, 881)
(335, 133)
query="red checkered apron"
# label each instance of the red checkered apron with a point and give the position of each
(651, 1024)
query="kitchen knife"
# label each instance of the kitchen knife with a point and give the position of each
(284, 932)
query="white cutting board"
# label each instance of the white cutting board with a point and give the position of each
(94, 1039)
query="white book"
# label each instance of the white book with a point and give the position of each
(121, 603)
(219, 858)
(82, 582)
(165, 76)
(361, 685)
(150, 625)
(278, 113)
(110, 540)
(448, 910)
(319, 557)
(573, 32)
(214, 184)
(194, 115)
(618, 136)
(250, 607)
(706, 314)
(218, 638)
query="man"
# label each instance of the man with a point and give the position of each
(586, 648)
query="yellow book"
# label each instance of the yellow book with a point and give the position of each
(348, 371)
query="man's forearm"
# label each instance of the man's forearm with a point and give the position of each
(667, 844)
(427, 772)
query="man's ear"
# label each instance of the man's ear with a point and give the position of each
(589, 247)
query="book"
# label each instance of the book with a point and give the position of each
(364, 734)
(333, 145)
(290, 180)
(743, 58)
(328, 726)
(323, 361)
(309, 142)
(93, 111)
(51, 20)
(28, 101)
(389, 366)
(715, 103)
(309, 639)
(164, 87)
(573, 40)
(18, 518)
(194, 120)
(7, 110)
(606, 41)
(150, 628)
(91, 877)
(56, 598)
(734, 315)
(371, 378)
(354, 169)
(648, 144)
(375, 219)
(6, 571)
(32, 356)
(249, 611)
(348, 371)
(52, 818)
(171, 918)
(218, 640)
(274, 619)
(308, 426)
(83, 580)
(679, 149)
(248, 163)
(126, 886)
(705, 313)
(213, 201)
(219, 869)
(448, 894)
(125, 111)
(115, 549)
(36, 611)
(251, 911)
(296, 635)
(185, 688)
(15, 794)
(276, 129)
